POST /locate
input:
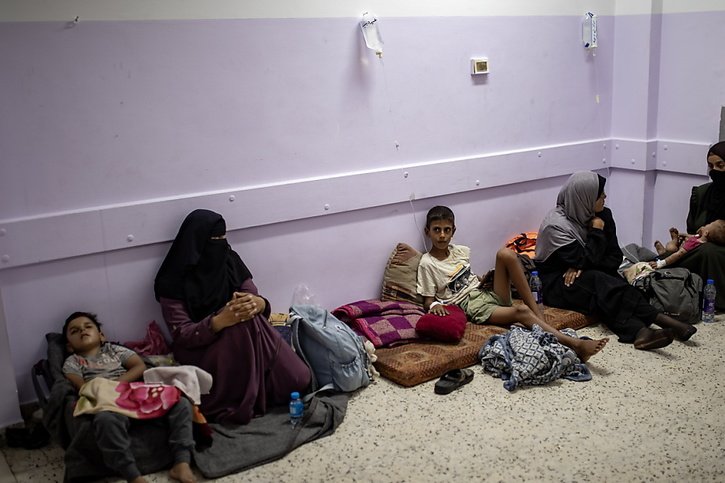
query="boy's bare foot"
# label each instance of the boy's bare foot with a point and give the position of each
(587, 348)
(648, 339)
(182, 472)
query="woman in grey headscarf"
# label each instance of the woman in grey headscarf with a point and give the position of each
(577, 254)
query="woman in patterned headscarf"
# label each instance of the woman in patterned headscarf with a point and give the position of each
(707, 204)
(577, 254)
(219, 323)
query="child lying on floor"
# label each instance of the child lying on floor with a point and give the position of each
(93, 357)
(445, 277)
(679, 245)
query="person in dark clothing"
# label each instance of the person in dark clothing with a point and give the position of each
(707, 204)
(578, 254)
(219, 322)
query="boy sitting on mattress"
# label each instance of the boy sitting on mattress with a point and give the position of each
(445, 277)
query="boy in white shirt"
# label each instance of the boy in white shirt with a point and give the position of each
(445, 278)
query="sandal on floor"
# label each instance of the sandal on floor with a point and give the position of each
(452, 380)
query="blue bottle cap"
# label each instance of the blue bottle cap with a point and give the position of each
(295, 395)
(710, 281)
(535, 272)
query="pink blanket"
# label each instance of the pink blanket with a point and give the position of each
(382, 322)
(136, 400)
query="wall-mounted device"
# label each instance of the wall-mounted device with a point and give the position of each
(479, 66)
(589, 31)
(371, 34)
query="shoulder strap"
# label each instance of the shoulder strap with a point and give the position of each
(297, 347)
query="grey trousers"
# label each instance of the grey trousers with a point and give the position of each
(111, 431)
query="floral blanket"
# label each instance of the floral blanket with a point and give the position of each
(382, 322)
(137, 400)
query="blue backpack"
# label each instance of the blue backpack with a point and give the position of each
(334, 353)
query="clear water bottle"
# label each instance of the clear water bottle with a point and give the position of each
(708, 302)
(296, 409)
(536, 290)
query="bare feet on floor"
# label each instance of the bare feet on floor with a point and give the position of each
(648, 339)
(587, 348)
(182, 472)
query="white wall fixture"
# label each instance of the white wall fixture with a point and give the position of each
(369, 26)
(479, 66)
(589, 31)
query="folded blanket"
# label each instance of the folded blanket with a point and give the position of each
(531, 357)
(381, 322)
(270, 437)
(191, 380)
(136, 400)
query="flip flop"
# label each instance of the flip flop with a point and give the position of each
(452, 380)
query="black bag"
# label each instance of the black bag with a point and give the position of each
(675, 291)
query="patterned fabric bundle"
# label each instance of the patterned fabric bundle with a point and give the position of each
(523, 357)
(381, 322)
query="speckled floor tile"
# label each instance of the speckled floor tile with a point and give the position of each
(6, 476)
(645, 416)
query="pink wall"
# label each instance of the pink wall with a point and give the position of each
(289, 128)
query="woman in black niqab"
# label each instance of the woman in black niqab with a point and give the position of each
(201, 268)
(715, 195)
(707, 204)
(218, 322)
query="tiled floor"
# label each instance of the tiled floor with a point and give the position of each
(6, 476)
(645, 416)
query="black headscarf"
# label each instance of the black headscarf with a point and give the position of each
(602, 182)
(715, 195)
(202, 272)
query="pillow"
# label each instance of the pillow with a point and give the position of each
(524, 243)
(154, 344)
(444, 328)
(400, 280)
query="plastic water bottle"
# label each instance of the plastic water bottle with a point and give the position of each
(708, 303)
(296, 409)
(536, 290)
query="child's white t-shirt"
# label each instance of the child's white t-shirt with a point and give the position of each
(108, 363)
(449, 280)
